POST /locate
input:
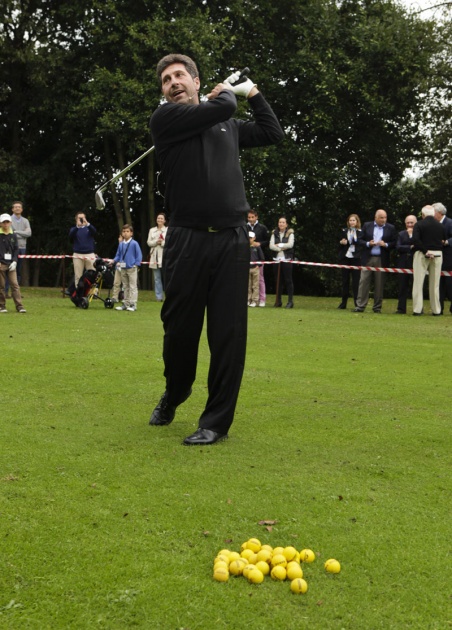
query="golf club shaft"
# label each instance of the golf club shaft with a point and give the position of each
(126, 170)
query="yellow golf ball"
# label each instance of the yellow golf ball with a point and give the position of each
(290, 553)
(294, 571)
(247, 553)
(298, 586)
(247, 569)
(221, 574)
(263, 567)
(278, 550)
(234, 555)
(279, 559)
(332, 566)
(236, 567)
(307, 555)
(220, 564)
(265, 555)
(278, 573)
(254, 544)
(255, 576)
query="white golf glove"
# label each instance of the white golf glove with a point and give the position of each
(12, 266)
(243, 88)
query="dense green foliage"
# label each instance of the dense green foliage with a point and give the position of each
(348, 81)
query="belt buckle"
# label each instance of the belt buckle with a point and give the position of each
(211, 229)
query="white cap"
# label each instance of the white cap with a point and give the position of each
(5, 217)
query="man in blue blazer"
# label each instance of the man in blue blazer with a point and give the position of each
(377, 240)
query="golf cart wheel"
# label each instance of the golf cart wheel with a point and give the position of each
(84, 303)
(108, 303)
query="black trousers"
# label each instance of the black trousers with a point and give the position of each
(206, 273)
(354, 274)
(284, 270)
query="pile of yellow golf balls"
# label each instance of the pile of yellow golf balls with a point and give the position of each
(255, 561)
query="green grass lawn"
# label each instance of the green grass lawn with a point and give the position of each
(342, 436)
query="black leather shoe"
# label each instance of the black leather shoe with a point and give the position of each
(164, 413)
(398, 312)
(417, 314)
(342, 306)
(204, 437)
(358, 310)
(277, 304)
(289, 305)
(436, 314)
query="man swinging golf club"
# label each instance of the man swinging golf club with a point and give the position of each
(207, 253)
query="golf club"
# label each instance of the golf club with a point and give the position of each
(100, 203)
(99, 199)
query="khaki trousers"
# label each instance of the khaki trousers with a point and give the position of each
(421, 265)
(15, 290)
(81, 263)
(129, 279)
(253, 285)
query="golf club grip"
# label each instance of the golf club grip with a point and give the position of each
(242, 77)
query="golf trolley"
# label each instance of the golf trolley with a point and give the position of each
(90, 285)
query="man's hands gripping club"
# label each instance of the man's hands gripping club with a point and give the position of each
(238, 82)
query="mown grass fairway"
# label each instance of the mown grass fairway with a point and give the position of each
(342, 436)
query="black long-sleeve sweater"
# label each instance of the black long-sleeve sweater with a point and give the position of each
(197, 147)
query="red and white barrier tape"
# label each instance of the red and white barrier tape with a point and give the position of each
(258, 262)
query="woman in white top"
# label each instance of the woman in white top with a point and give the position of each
(282, 241)
(156, 241)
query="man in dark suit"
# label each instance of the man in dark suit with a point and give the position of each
(405, 248)
(376, 241)
(428, 238)
(445, 284)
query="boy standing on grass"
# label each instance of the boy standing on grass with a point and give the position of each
(254, 275)
(9, 255)
(128, 258)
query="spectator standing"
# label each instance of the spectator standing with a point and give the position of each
(282, 241)
(128, 260)
(262, 240)
(405, 250)
(117, 283)
(377, 240)
(22, 230)
(254, 275)
(9, 252)
(428, 237)
(156, 241)
(349, 255)
(445, 283)
(82, 237)
(207, 252)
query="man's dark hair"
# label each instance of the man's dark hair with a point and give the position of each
(168, 60)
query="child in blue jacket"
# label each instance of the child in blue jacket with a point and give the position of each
(128, 259)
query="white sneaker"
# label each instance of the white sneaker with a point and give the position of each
(121, 308)
(21, 310)
(3, 310)
(262, 304)
(253, 304)
(131, 308)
